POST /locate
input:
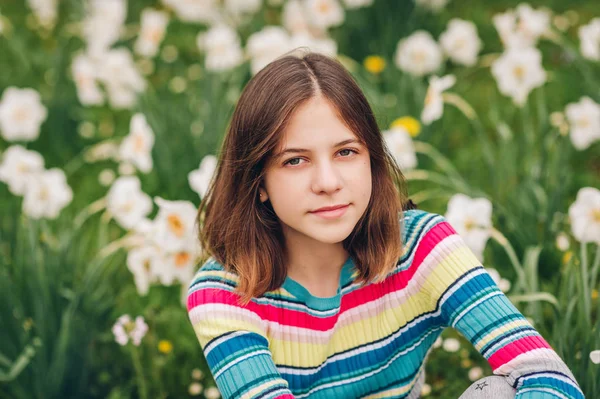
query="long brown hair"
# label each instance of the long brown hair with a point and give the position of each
(244, 234)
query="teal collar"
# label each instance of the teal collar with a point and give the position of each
(321, 303)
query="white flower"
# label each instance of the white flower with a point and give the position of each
(85, 75)
(434, 103)
(400, 144)
(451, 345)
(237, 7)
(46, 194)
(197, 374)
(460, 42)
(584, 215)
(433, 5)
(294, 18)
(325, 46)
(125, 329)
(199, 179)
(21, 114)
(475, 373)
(126, 201)
(120, 77)
(584, 121)
(222, 46)
(194, 10)
(45, 11)
(589, 36)
(518, 71)
(136, 147)
(324, 13)
(152, 31)
(521, 27)
(212, 393)
(425, 389)
(195, 389)
(103, 24)
(106, 177)
(175, 224)
(595, 356)
(351, 4)
(562, 241)
(179, 265)
(18, 166)
(472, 220)
(144, 262)
(418, 54)
(266, 45)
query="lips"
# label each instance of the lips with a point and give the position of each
(330, 208)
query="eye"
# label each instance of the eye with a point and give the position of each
(292, 162)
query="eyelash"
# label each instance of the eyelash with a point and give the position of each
(344, 149)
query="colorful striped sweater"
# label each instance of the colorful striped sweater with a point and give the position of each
(371, 341)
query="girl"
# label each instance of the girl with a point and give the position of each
(324, 280)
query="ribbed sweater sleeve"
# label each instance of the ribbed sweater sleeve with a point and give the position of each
(464, 296)
(233, 340)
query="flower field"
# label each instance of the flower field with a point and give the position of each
(112, 114)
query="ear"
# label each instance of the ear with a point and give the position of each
(263, 196)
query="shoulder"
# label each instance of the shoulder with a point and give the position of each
(213, 274)
(418, 223)
(212, 284)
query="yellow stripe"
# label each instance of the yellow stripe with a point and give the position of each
(366, 330)
(261, 388)
(207, 331)
(500, 331)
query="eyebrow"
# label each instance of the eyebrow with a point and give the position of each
(299, 150)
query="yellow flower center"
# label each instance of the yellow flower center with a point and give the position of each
(596, 215)
(182, 259)
(165, 346)
(519, 72)
(323, 7)
(410, 124)
(20, 114)
(374, 64)
(175, 225)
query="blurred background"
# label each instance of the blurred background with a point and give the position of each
(112, 113)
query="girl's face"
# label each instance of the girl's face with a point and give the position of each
(319, 163)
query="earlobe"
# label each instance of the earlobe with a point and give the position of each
(262, 196)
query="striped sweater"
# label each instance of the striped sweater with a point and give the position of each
(370, 341)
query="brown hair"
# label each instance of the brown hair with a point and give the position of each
(244, 234)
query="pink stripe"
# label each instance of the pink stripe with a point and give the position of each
(515, 348)
(353, 299)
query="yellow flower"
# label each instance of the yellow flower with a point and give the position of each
(165, 346)
(410, 124)
(594, 294)
(567, 257)
(374, 64)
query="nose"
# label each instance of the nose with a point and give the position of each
(327, 178)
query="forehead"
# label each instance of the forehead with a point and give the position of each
(315, 123)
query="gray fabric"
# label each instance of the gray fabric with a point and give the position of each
(491, 387)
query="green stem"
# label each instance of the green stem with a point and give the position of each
(137, 364)
(584, 284)
(595, 267)
(522, 277)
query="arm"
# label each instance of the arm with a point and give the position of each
(234, 343)
(464, 296)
